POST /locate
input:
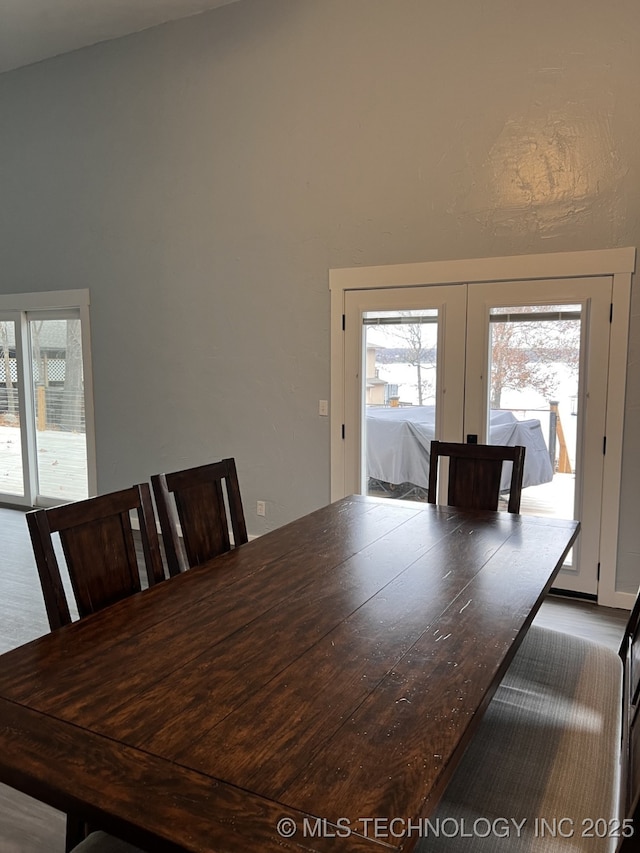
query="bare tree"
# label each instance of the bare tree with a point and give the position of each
(524, 352)
(417, 351)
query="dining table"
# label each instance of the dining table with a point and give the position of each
(313, 689)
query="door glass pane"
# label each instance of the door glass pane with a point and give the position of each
(11, 474)
(56, 347)
(400, 355)
(533, 396)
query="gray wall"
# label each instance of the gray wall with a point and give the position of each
(202, 177)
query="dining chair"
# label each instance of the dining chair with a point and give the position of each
(99, 549)
(101, 842)
(629, 652)
(475, 473)
(194, 503)
(100, 555)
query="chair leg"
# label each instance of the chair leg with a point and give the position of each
(76, 832)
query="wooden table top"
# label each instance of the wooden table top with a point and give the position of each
(327, 674)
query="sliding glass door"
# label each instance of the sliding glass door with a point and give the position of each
(44, 454)
(11, 420)
(58, 406)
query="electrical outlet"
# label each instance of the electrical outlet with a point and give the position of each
(323, 408)
(261, 508)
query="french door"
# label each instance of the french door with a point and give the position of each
(46, 418)
(435, 318)
(510, 362)
(539, 351)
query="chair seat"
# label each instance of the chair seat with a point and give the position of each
(100, 842)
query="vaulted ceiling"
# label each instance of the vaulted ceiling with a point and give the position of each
(32, 30)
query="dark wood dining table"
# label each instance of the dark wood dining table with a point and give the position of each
(312, 690)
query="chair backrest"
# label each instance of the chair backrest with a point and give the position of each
(475, 472)
(197, 495)
(99, 549)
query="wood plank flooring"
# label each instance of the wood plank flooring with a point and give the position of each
(27, 826)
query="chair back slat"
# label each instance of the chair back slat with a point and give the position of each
(475, 474)
(98, 544)
(474, 483)
(203, 519)
(201, 501)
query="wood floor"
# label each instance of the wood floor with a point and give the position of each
(27, 826)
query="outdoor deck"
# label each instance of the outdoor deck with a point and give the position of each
(62, 464)
(554, 499)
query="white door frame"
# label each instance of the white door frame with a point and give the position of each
(617, 263)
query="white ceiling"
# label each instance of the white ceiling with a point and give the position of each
(31, 30)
